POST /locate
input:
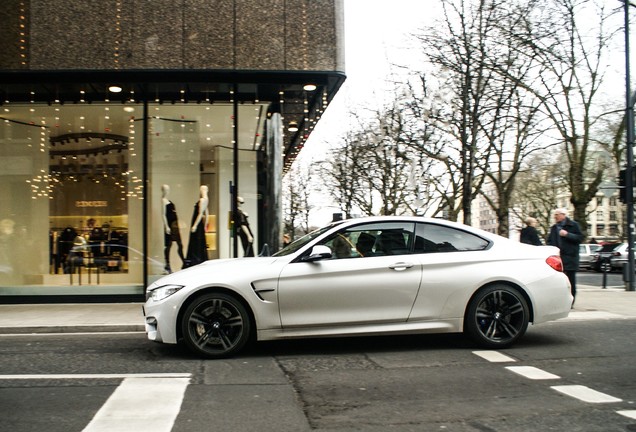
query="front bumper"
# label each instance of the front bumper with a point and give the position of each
(161, 321)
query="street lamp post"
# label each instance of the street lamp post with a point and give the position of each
(629, 169)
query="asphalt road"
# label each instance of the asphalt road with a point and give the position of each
(612, 279)
(408, 383)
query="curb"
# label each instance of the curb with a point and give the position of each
(109, 328)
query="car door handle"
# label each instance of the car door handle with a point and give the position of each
(401, 266)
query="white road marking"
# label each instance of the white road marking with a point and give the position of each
(586, 394)
(580, 392)
(592, 315)
(141, 405)
(45, 334)
(94, 376)
(628, 413)
(494, 356)
(532, 372)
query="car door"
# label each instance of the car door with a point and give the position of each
(371, 278)
(451, 260)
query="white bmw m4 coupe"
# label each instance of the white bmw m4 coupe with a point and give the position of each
(367, 276)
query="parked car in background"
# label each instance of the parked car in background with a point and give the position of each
(605, 258)
(587, 255)
(619, 257)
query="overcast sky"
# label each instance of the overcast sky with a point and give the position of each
(377, 36)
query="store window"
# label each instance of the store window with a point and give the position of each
(76, 218)
(72, 199)
(191, 172)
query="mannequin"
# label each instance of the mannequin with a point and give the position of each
(197, 248)
(170, 228)
(244, 231)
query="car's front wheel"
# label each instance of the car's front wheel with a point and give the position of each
(215, 325)
(497, 316)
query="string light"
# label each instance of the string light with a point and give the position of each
(22, 35)
(117, 33)
(304, 38)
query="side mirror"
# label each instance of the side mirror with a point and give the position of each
(318, 253)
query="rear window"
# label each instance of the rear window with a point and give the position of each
(438, 238)
(609, 247)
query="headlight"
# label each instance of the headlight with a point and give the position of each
(162, 292)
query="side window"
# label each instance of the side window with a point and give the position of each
(341, 245)
(437, 238)
(369, 240)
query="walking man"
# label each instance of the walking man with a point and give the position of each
(566, 235)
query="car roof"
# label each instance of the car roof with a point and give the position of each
(420, 219)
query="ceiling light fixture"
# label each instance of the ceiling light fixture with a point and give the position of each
(293, 126)
(114, 89)
(310, 87)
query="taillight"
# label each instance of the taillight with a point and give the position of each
(555, 262)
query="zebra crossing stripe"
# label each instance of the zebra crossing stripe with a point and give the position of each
(586, 394)
(494, 356)
(141, 405)
(532, 372)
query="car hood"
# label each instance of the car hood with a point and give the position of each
(220, 271)
(234, 264)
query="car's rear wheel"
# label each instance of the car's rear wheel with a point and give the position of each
(497, 316)
(215, 325)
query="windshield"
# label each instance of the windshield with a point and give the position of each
(301, 242)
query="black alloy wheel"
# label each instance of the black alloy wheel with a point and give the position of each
(215, 325)
(497, 316)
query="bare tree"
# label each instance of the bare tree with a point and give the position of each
(458, 50)
(388, 143)
(298, 205)
(339, 176)
(376, 170)
(571, 48)
(504, 73)
(539, 184)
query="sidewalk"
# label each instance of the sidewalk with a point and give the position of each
(71, 318)
(592, 299)
(591, 303)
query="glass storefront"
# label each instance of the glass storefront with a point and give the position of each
(191, 148)
(105, 188)
(76, 218)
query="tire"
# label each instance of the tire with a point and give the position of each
(497, 316)
(215, 325)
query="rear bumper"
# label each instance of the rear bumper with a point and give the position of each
(552, 298)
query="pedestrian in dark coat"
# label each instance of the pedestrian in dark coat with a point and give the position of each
(529, 234)
(566, 235)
